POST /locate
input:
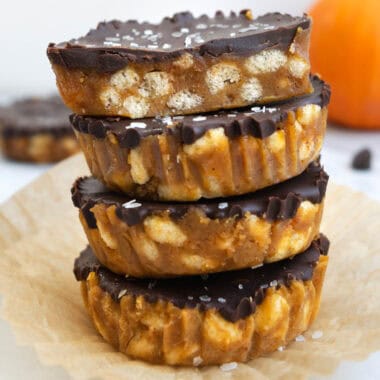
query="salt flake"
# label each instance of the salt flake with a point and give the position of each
(317, 334)
(197, 361)
(136, 124)
(122, 293)
(273, 283)
(222, 205)
(132, 204)
(228, 366)
(199, 118)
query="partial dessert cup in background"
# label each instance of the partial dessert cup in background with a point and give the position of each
(184, 64)
(37, 130)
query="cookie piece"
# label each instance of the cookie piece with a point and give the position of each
(218, 154)
(153, 239)
(184, 64)
(37, 130)
(224, 317)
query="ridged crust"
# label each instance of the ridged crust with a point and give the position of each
(162, 333)
(161, 167)
(195, 244)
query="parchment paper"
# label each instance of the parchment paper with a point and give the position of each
(40, 236)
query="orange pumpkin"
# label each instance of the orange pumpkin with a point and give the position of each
(345, 50)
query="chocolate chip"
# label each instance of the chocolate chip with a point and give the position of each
(362, 160)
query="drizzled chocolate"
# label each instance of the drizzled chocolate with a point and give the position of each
(278, 202)
(35, 115)
(235, 295)
(259, 122)
(112, 45)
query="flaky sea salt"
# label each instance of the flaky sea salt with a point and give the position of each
(132, 204)
(167, 120)
(199, 39)
(222, 205)
(300, 338)
(221, 300)
(188, 41)
(228, 366)
(273, 283)
(111, 43)
(205, 298)
(122, 293)
(197, 361)
(136, 124)
(112, 39)
(264, 109)
(317, 334)
(199, 118)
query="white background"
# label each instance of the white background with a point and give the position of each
(26, 28)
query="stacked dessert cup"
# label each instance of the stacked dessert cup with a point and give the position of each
(203, 136)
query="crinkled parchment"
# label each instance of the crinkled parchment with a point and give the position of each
(40, 236)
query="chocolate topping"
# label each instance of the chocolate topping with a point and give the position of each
(112, 45)
(259, 122)
(278, 202)
(234, 294)
(35, 115)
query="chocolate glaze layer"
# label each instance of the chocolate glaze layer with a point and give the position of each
(278, 202)
(235, 295)
(35, 115)
(259, 122)
(112, 45)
